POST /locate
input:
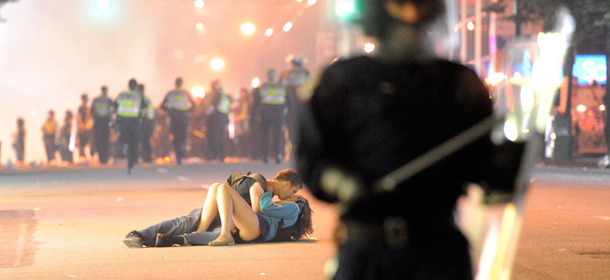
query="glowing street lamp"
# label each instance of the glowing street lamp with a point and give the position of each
(198, 92)
(199, 3)
(287, 26)
(199, 26)
(269, 32)
(369, 47)
(102, 5)
(217, 64)
(248, 28)
(256, 82)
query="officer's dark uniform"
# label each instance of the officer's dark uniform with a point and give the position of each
(272, 104)
(148, 128)
(294, 80)
(101, 110)
(216, 123)
(179, 104)
(368, 118)
(129, 106)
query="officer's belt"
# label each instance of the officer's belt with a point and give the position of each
(393, 232)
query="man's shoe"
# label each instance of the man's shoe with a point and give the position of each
(134, 239)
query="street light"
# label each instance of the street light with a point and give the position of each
(269, 32)
(102, 5)
(369, 47)
(248, 28)
(256, 82)
(199, 26)
(198, 92)
(199, 3)
(217, 64)
(287, 26)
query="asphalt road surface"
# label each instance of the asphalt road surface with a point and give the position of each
(68, 223)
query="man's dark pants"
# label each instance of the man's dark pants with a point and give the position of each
(179, 123)
(101, 134)
(129, 133)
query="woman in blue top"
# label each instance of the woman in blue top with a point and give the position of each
(235, 213)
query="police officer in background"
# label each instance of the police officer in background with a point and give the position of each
(148, 126)
(218, 104)
(294, 78)
(179, 104)
(270, 99)
(129, 107)
(370, 116)
(101, 110)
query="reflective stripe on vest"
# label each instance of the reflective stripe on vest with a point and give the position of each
(101, 106)
(178, 99)
(129, 104)
(273, 93)
(224, 103)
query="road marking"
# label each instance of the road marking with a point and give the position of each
(605, 218)
(162, 170)
(183, 179)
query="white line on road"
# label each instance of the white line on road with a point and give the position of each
(183, 179)
(605, 218)
(162, 170)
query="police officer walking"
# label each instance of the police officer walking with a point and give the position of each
(372, 116)
(101, 110)
(295, 78)
(179, 104)
(218, 104)
(271, 103)
(129, 106)
(148, 126)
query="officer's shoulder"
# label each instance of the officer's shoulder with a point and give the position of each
(345, 67)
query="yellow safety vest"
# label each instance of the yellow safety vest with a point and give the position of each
(129, 104)
(273, 93)
(178, 99)
(224, 103)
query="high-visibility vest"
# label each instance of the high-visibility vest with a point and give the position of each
(129, 104)
(273, 93)
(224, 103)
(297, 76)
(150, 111)
(101, 106)
(178, 99)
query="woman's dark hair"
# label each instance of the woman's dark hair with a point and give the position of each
(303, 223)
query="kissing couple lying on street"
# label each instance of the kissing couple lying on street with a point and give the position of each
(241, 210)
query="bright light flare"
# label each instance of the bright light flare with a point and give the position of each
(256, 82)
(198, 92)
(102, 5)
(581, 108)
(199, 3)
(269, 32)
(248, 28)
(199, 26)
(311, 2)
(287, 26)
(369, 47)
(470, 25)
(602, 107)
(217, 64)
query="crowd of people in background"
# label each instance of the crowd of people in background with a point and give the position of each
(253, 124)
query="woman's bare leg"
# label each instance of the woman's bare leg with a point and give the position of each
(210, 209)
(234, 209)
